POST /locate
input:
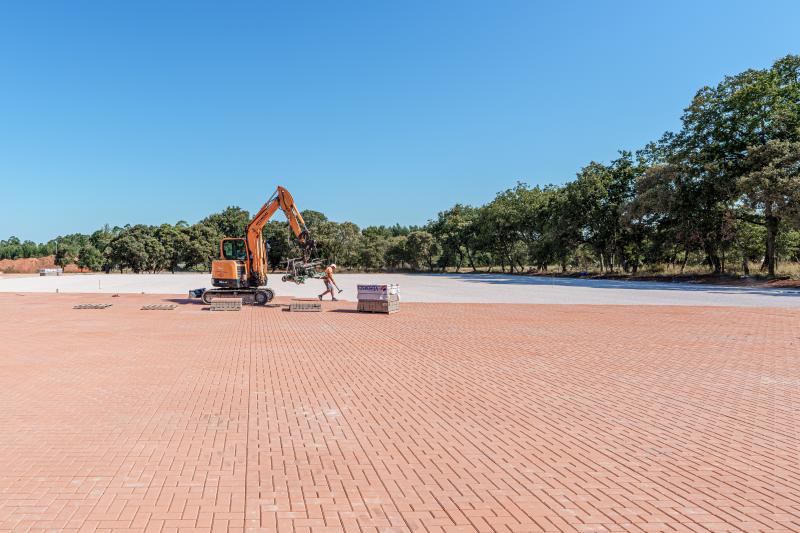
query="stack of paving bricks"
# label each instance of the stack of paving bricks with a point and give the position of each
(307, 305)
(379, 298)
(91, 306)
(159, 307)
(226, 304)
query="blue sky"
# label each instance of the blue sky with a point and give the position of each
(374, 112)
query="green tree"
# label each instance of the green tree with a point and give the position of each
(276, 236)
(421, 249)
(749, 242)
(722, 125)
(771, 186)
(136, 247)
(175, 242)
(499, 226)
(313, 219)
(396, 252)
(455, 231)
(126, 250)
(563, 228)
(100, 238)
(67, 253)
(338, 242)
(788, 244)
(231, 222)
(91, 258)
(202, 245)
(10, 248)
(29, 249)
(373, 246)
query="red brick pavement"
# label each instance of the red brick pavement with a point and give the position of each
(441, 418)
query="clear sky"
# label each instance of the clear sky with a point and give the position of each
(375, 112)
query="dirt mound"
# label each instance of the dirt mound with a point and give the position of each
(31, 265)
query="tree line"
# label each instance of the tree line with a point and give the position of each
(722, 192)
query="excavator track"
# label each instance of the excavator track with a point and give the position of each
(260, 296)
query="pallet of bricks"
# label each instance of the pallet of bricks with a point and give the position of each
(378, 298)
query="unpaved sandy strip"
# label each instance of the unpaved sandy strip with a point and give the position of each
(464, 288)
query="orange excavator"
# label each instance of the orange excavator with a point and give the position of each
(241, 270)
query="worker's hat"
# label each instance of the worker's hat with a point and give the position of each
(333, 265)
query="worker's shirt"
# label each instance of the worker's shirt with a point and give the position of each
(329, 273)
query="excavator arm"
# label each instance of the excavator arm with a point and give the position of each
(282, 200)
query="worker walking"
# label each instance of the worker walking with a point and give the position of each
(330, 283)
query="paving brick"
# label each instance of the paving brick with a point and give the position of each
(448, 417)
(305, 305)
(226, 304)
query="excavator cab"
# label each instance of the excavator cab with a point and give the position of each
(234, 249)
(230, 270)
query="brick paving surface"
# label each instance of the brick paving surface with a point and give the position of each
(442, 417)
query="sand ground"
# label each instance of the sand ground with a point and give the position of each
(444, 288)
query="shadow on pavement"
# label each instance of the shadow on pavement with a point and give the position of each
(511, 279)
(186, 301)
